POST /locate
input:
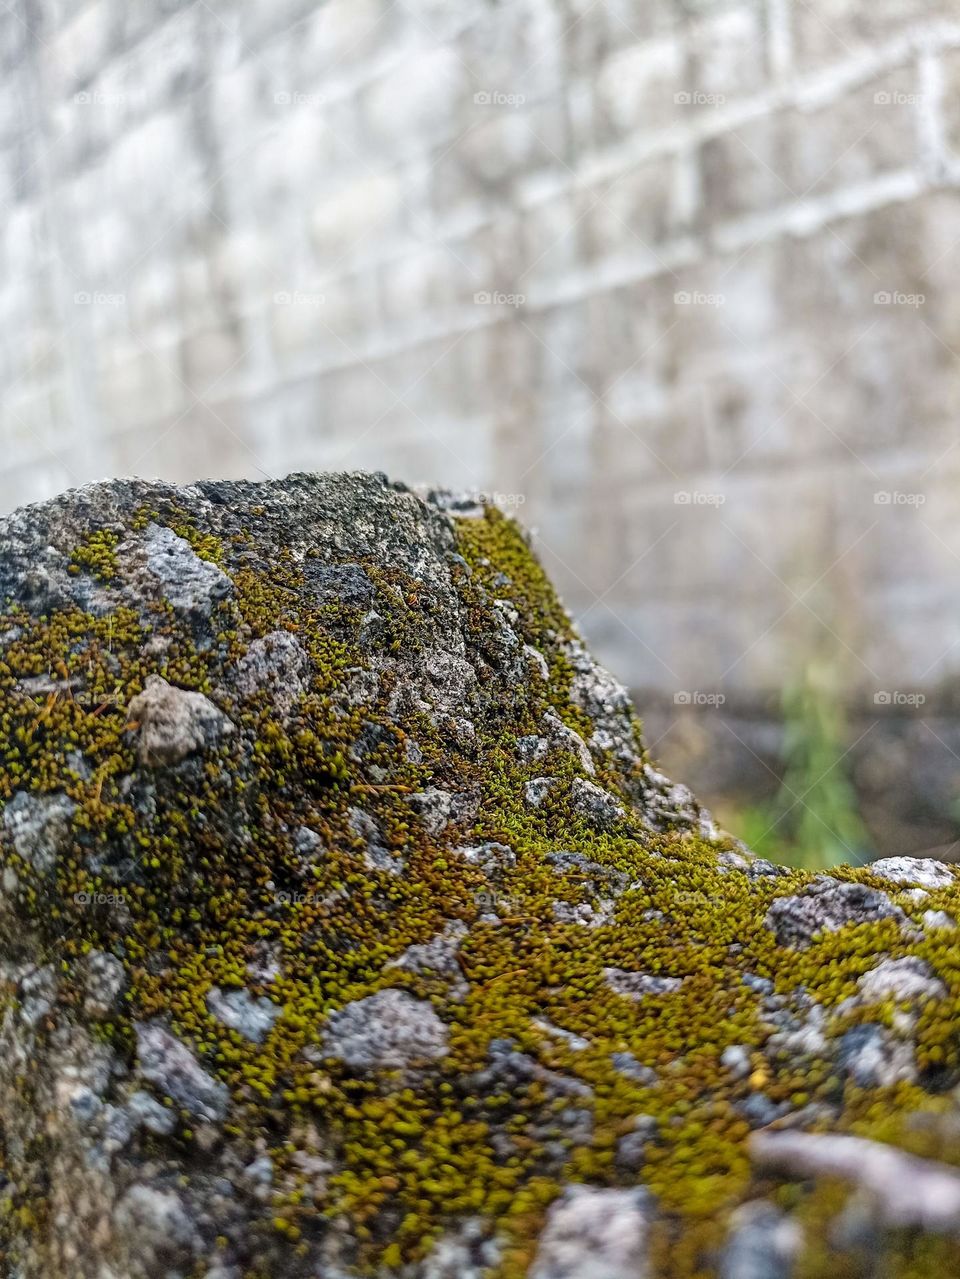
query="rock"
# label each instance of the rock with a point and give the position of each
(368, 941)
(937, 919)
(595, 1234)
(190, 584)
(904, 979)
(632, 1146)
(923, 871)
(171, 1066)
(736, 1059)
(873, 1058)
(174, 722)
(595, 805)
(275, 666)
(908, 1192)
(826, 906)
(636, 985)
(340, 585)
(628, 1065)
(146, 1112)
(439, 955)
(249, 1016)
(105, 982)
(159, 1223)
(763, 1243)
(537, 790)
(38, 826)
(387, 1031)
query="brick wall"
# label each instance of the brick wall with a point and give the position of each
(625, 261)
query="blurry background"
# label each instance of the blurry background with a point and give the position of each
(676, 279)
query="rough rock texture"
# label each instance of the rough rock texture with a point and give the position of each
(346, 930)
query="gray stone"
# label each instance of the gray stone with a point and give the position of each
(249, 1015)
(387, 1031)
(191, 584)
(146, 1112)
(628, 1065)
(937, 919)
(907, 1192)
(174, 722)
(275, 666)
(172, 1068)
(38, 826)
(904, 979)
(346, 585)
(595, 1234)
(637, 985)
(595, 805)
(104, 983)
(873, 1058)
(537, 790)
(923, 871)
(825, 906)
(438, 955)
(160, 1223)
(762, 1243)
(736, 1059)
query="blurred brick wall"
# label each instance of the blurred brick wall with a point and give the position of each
(624, 263)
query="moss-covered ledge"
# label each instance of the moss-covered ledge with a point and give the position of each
(347, 930)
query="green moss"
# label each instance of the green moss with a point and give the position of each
(97, 555)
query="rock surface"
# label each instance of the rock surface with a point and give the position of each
(346, 929)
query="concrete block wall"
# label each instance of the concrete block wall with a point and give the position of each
(678, 276)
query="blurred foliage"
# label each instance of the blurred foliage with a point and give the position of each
(813, 820)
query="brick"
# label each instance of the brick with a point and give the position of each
(870, 130)
(626, 217)
(362, 208)
(746, 170)
(637, 87)
(416, 104)
(950, 70)
(548, 244)
(832, 31)
(591, 32)
(727, 57)
(503, 143)
(518, 51)
(73, 54)
(341, 33)
(133, 385)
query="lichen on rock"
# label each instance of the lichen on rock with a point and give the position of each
(346, 928)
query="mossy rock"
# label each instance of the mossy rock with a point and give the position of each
(347, 930)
